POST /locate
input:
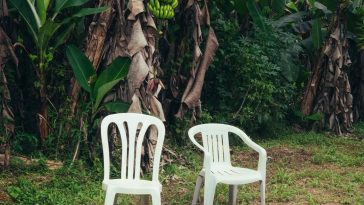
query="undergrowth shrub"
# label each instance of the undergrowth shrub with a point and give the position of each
(252, 82)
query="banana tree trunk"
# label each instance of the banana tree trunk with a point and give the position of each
(43, 111)
(7, 116)
(312, 85)
(328, 91)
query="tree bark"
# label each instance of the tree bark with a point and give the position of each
(316, 75)
(312, 86)
(43, 113)
(7, 116)
(328, 91)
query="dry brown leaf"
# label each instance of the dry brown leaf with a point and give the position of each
(156, 108)
(3, 8)
(137, 40)
(192, 99)
(334, 99)
(190, 3)
(135, 105)
(135, 7)
(138, 71)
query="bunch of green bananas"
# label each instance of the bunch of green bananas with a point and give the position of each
(164, 9)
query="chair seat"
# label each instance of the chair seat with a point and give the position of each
(235, 175)
(132, 186)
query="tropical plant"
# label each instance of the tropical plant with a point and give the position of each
(48, 30)
(328, 89)
(252, 75)
(98, 85)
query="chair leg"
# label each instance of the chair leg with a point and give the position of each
(110, 196)
(198, 185)
(233, 192)
(262, 192)
(209, 191)
(156, 198)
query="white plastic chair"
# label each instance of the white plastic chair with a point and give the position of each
(217, 167)
(130, 183)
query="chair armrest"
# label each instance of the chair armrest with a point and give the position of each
(207, 157)
(262, 163)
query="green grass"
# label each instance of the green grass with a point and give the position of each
(303, 168)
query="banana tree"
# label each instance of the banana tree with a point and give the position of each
(48, 32)
(328, 90)
(98, 85)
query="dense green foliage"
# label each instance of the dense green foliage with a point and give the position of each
(98, 86)
(254, 78)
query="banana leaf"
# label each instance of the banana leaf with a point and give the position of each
(256, 14)
(81, 66)
(316, 33)
(117, 71)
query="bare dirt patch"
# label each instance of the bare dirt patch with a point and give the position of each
(4, 197)
(289, 155)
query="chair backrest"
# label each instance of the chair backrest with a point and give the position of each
(215, 139)
(128, 125)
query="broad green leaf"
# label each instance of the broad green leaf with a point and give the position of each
(27, 11)
(316, 33)
(64, 34)
(314, 117)
(89, 11)
(292, 18)
(298, 113)
(278, 6)
(330, 4)
(255, 13)
(85, 12)
(102, 91)
(59, 5)
(118, 68)
(117, 107)
(240, 7)
(63, 4)
(263, 3)
(109, 78)
(312, 3)
(323, 8)
(46, 3)
(42, 10)
(73, 3)
(81, 66)
(46, 32)
(292, 6)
